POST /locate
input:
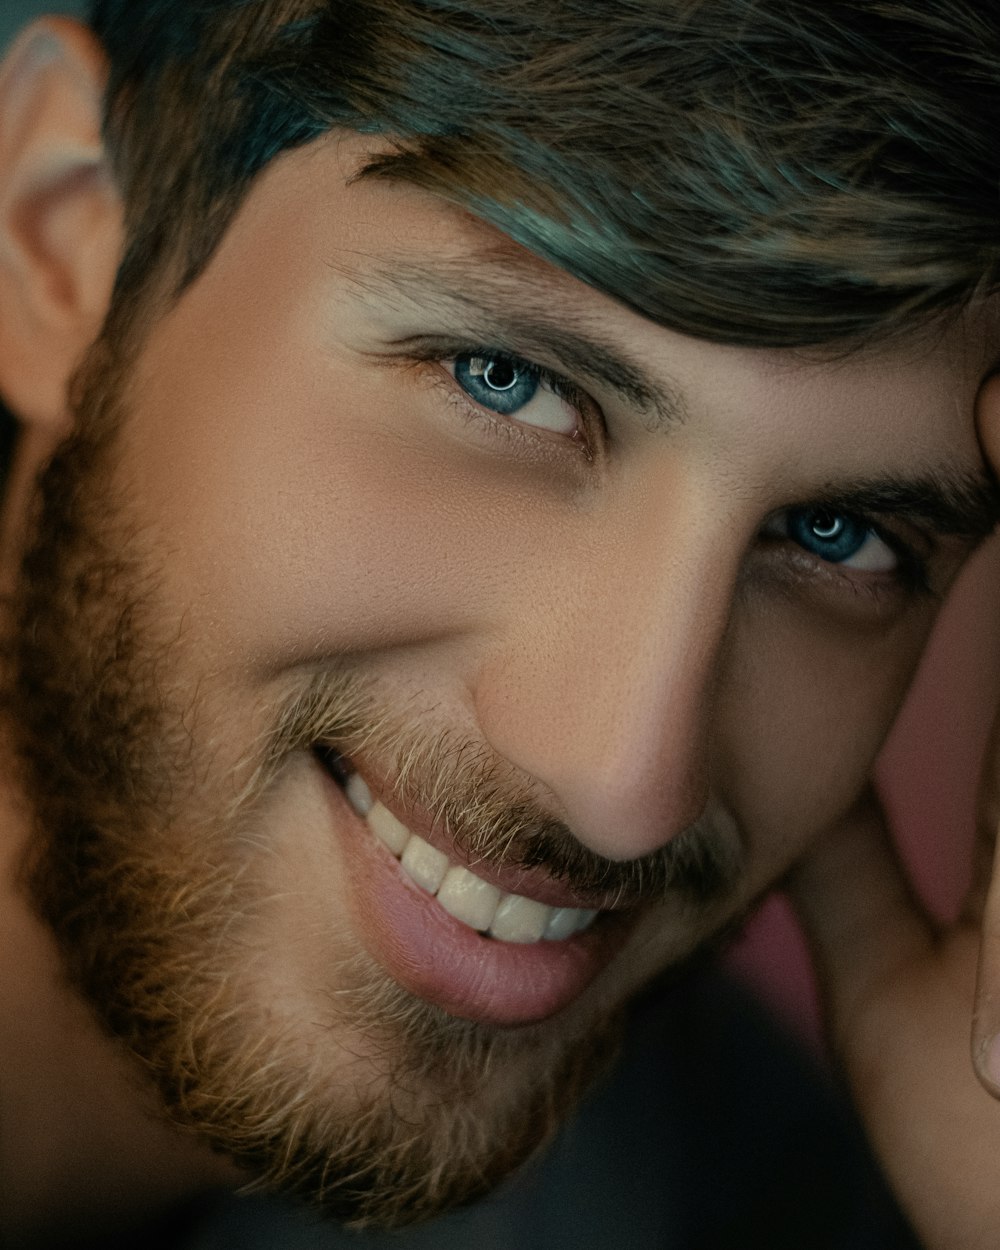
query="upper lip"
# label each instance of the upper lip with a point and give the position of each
(534, 883)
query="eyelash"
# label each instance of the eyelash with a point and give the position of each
(910, 575)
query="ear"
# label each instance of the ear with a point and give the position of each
(60, 217)
(988, 422)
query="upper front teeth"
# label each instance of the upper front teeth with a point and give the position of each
(508, 917)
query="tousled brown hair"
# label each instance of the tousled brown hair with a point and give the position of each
(763, 172)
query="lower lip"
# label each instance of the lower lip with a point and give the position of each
(441, 960)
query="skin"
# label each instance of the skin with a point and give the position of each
(607, 608)
(911, 1001)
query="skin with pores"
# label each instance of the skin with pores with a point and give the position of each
(602, 600)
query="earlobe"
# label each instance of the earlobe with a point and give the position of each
(988, 420)
(60, 216)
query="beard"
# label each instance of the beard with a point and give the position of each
(157, 867)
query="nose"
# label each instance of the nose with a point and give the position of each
(602, 692)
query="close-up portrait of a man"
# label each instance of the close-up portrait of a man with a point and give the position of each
(480, 480)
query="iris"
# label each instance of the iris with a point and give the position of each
(500, 383)
(833, 536)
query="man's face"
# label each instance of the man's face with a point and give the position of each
(608, 618)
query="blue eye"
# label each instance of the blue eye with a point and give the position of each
(829, 535)
(499, 383)
(516, 388)
(839, 538)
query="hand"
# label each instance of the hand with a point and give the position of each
(900, 997)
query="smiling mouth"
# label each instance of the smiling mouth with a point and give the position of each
(467, 898)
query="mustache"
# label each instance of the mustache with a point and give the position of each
(489, 809)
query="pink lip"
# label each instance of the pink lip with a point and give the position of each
(443, 961)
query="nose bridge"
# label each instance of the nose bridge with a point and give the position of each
(602, 691)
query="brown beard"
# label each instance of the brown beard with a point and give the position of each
(144, 869)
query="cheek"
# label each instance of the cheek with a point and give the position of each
(805, 709)
(299, 513)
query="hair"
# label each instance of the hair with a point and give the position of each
(760, 172)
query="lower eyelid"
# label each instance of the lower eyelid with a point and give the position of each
(437, 376)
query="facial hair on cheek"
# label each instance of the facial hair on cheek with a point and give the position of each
(153, 901)
(149, 882)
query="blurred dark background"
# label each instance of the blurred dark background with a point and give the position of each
(14, 13)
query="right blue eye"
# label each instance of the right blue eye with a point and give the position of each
(840, 538)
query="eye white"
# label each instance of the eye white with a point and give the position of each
(874, 556)
(548, 411)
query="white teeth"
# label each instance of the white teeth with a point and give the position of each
(393, 833)
(359, 796)
(476, 903)
(520, 919)
(562, 923)
(424, 863)
(468, 899)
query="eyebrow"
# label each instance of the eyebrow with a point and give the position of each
(504, 300)
(510, 305)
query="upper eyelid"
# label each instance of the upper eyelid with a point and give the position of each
(448, 346)
(549, 372)
(878, 520)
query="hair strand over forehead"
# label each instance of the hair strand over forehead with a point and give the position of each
(777, 173)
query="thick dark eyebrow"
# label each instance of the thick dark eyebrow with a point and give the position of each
(504, 301)
(958, 503)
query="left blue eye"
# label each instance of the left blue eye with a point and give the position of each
(497, 382)
(515, 388)
(839, 538)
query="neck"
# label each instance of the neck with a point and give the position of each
(81, 1146)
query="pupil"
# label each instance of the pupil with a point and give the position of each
(500, 375)
(827, 525)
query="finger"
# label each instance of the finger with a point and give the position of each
(984, 866)
(898, 1004)
(859, 913)
(986, 1020)
(986, 1017)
